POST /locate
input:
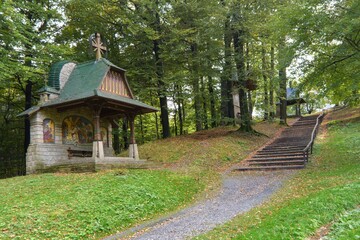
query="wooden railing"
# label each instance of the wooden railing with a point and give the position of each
(309, 146)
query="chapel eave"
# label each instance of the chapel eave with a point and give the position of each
(105, 99)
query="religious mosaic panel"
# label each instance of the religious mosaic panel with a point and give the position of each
(104, 136)
(48, 131)
(77, 130)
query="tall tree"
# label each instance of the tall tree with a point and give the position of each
(239, 43)
(271, 82)
(265, 79)
(160, 73)
(27, 33)
(227, 107)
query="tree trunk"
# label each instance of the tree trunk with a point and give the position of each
(264, 74)
(175, 123)
(271, 82)
(212, 102)
(250, 103)
(196, 87)
(164, 115)
(227, 105)
(175, 111)
(204, 103)
(28, 96)
(183, 113)
(245, 123)
(282, 81)
(248, 75)
(156, 119)
(282, 93)
(179, 107)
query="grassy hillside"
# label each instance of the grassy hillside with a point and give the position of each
(322, 199)
(92, 205)
(214, 149)
(87, 206)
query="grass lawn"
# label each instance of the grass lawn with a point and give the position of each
(325, 194)
(88, 206)
(93, 205)
(211, 150)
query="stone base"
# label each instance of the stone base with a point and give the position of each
(55, 158)
(98, 150)
(133, 151)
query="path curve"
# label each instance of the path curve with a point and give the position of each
(240, 192)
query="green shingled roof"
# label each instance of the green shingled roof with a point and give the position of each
(84, 83)
(85, 78)
(54, 74)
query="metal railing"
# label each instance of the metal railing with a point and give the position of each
(309, 146)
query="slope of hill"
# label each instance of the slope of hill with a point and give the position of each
(321, 200)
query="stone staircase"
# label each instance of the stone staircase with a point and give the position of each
(289, 151)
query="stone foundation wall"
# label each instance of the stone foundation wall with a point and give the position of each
(40, 157)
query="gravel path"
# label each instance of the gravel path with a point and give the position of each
(240, 192)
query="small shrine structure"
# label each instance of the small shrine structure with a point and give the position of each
(72, 124)
(292, 98)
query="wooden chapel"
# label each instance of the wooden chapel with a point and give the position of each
(71, 126)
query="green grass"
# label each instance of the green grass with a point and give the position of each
(93, 205)
(88, 206)
(214, 149)
(346, 227)
(314, 197)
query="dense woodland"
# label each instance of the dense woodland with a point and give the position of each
(184, 57)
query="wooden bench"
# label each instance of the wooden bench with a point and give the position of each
(79, 153)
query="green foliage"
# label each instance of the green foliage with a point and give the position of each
(27, 33)
(346, 227)
(332, 66)
(88, 206)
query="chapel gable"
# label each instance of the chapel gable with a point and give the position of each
(115, 83)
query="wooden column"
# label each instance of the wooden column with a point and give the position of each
(98, 147)
(133, 150)
(132, 129)
(97, 133)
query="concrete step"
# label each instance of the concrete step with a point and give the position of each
(271, 163)
(269, 168)
(286, 152)
(275, 159)
(279, 153)
(283, 146)
(277, 149)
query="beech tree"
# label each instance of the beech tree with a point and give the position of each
(27, 48)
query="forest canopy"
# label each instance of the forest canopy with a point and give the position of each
(186, 58)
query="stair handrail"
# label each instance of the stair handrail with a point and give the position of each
(313, 135)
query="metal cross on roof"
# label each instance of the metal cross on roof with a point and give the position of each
(98, 45)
